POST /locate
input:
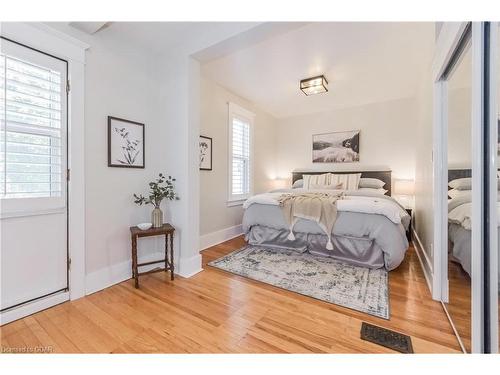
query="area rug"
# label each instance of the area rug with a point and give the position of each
(323, 278)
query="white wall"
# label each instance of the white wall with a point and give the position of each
(215, 215)
(423, 215)
(387, 138)
(119, 82)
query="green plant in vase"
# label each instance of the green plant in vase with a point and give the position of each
(162, 188)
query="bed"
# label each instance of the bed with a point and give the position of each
(459, 233)
(370, 229)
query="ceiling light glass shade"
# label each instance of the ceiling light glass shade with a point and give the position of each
(314, 85)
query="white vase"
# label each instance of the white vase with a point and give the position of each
(157, 218)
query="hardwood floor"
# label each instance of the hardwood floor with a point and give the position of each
(218, 312)
(459, 306)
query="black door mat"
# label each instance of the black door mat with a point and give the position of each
(386, 337)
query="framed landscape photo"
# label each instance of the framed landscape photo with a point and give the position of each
(125, 143)
(205, 153)
(336, 147)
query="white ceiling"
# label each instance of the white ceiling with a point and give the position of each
(152, 38)
(363, 62)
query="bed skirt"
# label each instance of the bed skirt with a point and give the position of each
(363, 252)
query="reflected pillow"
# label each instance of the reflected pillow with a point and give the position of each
(373, 183)
(455, 193)
(298, 184)
(461, 183)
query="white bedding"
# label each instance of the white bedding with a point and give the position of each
(369, 204)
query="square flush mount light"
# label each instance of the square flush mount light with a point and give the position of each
(314, 85)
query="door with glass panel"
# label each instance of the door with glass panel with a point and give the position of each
(33, 177)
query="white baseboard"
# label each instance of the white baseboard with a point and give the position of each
(189, 266)
(32, 307)
(214, 238)
(117, 273)
(425, 262)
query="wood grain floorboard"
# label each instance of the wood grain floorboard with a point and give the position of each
(218, 312)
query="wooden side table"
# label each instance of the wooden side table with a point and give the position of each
(166, 230)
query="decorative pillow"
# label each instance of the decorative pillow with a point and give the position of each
(461, 183)
(327, 187)
(349, 181)
(298, 184)
(316, 179)
(380, 191)
(373, 183)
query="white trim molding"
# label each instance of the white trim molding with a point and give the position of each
(117, 273)
(189, 266)
(425, 261)
(32, 307)
(215, 238)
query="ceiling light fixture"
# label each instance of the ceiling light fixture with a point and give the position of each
(314, 85)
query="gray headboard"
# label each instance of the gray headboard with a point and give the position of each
(381, 175)
(453, 174)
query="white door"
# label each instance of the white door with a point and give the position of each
(33, 183)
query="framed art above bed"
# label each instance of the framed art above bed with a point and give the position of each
(336, 147)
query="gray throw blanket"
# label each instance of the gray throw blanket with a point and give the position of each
(319, 207)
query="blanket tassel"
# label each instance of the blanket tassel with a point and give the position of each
(329, 245)
(291, 236)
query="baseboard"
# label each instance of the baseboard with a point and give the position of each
(190, 266)
(215, 238)
(424, 260)
(32, 307)
(117, 273)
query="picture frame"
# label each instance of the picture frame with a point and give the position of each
(205, 146)
(336, 147)
(126, 143)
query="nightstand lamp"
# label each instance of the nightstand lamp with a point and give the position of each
(404, 191)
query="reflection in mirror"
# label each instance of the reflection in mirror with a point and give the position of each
(459, 195)
(498, 174)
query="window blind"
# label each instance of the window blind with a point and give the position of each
(241, 157)
(30, 130)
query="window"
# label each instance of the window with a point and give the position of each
(240, 154)
(31, 128)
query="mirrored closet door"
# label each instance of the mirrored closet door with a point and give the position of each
(458, 78)
(494, 191)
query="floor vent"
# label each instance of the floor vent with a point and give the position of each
(385, 337)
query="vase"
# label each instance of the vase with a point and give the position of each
(157, 218)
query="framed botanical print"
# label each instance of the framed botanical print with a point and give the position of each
(126, 147)
(205, 153)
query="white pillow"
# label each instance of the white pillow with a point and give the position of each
(298, 184)
(326, 187)
(373, 183)
(380, 191)
(349, 181)
(461, 183)
(318, 179)
(455, 193)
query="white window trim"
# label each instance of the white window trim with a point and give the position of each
(235, 110)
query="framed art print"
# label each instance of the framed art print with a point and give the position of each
(205, 153)
(126, 147)
(336, 147)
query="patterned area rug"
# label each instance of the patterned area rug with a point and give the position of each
(329, 280)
